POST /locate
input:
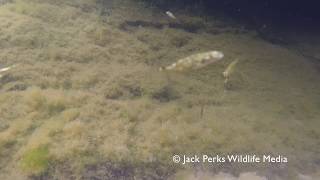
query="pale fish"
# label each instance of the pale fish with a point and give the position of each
(227, 73)
(230, 68)
(195, 61)
(4, 70)
(170, 14)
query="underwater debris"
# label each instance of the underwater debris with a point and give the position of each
(170, 14)
(229, 70)
(195, 61)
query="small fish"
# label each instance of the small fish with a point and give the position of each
(230, 68)
(170, 14)
(5, 69)
(195, 61)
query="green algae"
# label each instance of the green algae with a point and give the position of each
(36, 161)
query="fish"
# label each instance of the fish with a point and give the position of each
(230, 68)
(227, 73)
(194, 62)
(5, 69)
(170, 14)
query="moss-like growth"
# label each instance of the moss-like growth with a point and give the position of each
(48, 102)
(92, 92)
(36, 161)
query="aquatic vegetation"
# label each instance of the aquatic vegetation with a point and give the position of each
(36, 161)
(50, 104)
(166, 94)
(87, 99)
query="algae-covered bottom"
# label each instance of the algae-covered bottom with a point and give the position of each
(85, 98)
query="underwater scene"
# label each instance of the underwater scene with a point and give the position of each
(155, 90)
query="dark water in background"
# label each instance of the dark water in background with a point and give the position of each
(285, 14)
(291, 24)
